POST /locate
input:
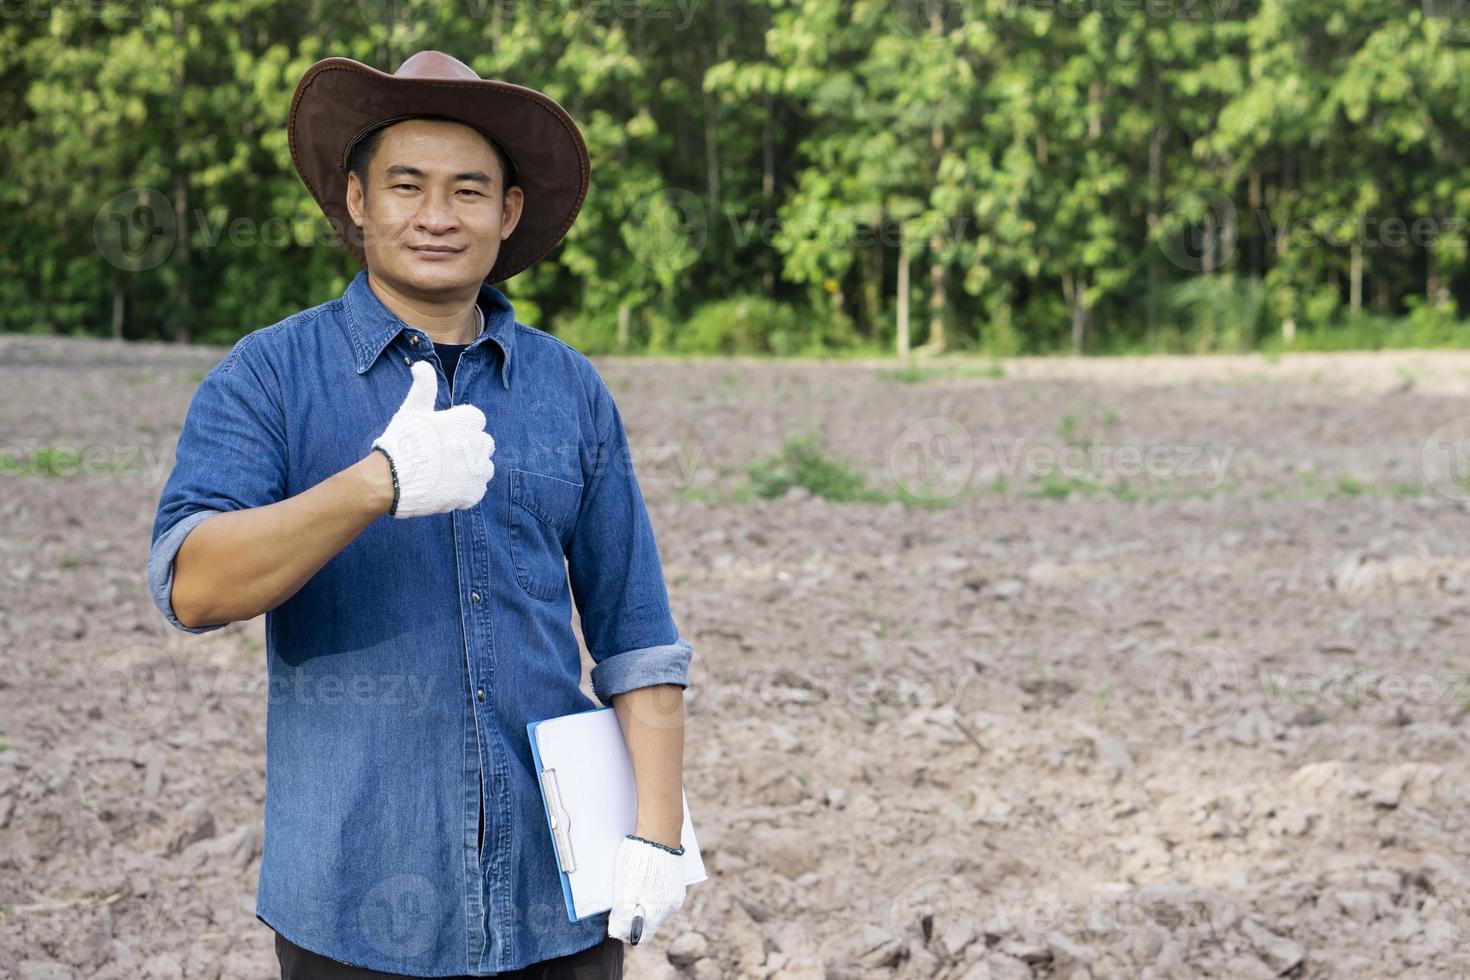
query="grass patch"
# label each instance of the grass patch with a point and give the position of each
(1347, 485)
(1067, 429)
(1056, 487)
(740, 494)
(57, 461)
(801, 462)
(914, 373)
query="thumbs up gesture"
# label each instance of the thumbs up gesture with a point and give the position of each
(440, 459)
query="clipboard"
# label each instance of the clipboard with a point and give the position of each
(591, 803)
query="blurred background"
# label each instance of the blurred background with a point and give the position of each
(1020, 176)
(1050, 412)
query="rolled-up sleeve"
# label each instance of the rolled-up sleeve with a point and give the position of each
(615, 572)
(231, 455)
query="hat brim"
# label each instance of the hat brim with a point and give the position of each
(338, 99)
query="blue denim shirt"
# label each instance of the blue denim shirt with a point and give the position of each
(402, 674)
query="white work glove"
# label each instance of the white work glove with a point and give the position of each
(647, 881)
(441, 460)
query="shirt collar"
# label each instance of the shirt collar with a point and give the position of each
(373, 325)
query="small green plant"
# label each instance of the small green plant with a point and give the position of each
(1348, 487)
(55, 461)
(1126, 493)
(1067, 429)
(740, 494)
(913, 500)
(801, 462)
(911, 372)
(1056, 487)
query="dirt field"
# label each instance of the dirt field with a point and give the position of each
(1174, 685)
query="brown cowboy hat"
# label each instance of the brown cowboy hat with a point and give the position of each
(338, 101)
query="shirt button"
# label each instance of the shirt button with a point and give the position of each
(475, 598)
(479, 694)
(414, 340)
(406, 360)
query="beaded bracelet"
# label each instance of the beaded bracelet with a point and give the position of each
(662, 847)
(393, 471)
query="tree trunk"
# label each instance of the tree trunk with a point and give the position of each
(118, 306)
(873, 281)
(1253, 201)
(1283, 236)
(1074, 290)
(1436, 290)
(625, 316)
(181, 193)
(1355, 278)
(768, 194)
(1155, 193)
(937, 297)
(903, 293)
(711, 151)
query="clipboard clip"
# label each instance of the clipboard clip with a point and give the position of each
(560, 822)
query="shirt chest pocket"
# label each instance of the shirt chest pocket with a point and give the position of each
(543, 510)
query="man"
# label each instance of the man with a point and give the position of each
(335, 473)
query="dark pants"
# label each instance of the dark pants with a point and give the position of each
(602, 961)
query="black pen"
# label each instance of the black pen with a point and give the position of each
(635, 930)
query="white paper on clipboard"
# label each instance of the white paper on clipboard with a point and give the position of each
(587, 785)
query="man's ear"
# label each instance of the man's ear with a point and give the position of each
(354, 198)
(515, 202)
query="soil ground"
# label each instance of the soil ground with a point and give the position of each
(1169, 681)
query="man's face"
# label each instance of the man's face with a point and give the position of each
(434, 210)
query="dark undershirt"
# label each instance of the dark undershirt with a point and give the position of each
(449, 355)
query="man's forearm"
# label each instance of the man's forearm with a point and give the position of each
(239, 564)
(652, 720)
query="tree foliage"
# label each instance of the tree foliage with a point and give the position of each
(1023, 175)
